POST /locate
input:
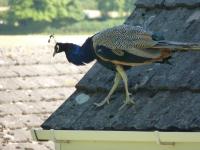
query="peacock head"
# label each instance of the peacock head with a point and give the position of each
(59, 47)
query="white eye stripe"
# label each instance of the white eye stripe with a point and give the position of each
(57, 48)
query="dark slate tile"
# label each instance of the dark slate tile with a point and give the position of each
(185, 28)
(167, 3)
(165, 111)
(102, 77)
(149, 3)
(68, 113)
(182, 3)
(183, 73)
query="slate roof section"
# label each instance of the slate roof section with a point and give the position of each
(167, 4)
(167, 96)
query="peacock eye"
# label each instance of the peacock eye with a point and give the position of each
(57, 48)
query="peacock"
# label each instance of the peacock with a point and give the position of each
(119, 48)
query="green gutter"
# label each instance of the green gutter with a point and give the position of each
(100, 140)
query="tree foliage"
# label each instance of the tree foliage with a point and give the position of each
(44, 10)
(60, 11)
(3, 2)
(105, 6)
(129, 5)
(120, 6)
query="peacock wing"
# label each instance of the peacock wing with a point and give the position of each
(132, 39)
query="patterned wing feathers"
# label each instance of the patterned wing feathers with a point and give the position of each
(128, 36)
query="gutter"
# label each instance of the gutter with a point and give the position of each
(184, 140)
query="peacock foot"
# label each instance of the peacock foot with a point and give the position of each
(103, 102)
(128, 101)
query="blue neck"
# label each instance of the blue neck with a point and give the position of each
(81, 55)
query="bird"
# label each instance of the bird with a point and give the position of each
(119, 48)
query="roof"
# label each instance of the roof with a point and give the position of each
(168, 96)
(31, 87)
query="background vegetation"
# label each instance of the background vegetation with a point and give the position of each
(3, 2)
(61, 16)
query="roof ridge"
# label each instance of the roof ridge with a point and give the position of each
(167, 4)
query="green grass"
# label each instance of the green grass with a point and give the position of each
(82, 27)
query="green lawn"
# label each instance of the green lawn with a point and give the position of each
(82, 27)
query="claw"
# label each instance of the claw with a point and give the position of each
(106, 100)
(128, 101)
(115, 85)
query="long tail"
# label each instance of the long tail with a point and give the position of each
(178, 46)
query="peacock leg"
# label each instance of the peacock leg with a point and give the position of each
(128, 100)
(114, 87)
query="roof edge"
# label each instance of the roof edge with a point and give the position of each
(163, 4)
(122, 136)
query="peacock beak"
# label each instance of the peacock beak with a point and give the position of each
(56, 49)
(54, 53)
